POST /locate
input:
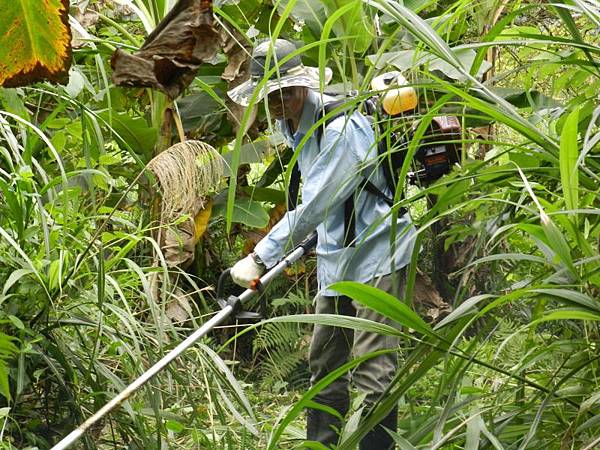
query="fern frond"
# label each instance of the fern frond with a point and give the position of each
(275, 336)
(297, 300)
(281, 365)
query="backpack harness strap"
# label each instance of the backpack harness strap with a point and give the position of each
(294, 188)
(349, 210)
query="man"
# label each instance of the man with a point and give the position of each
(334, 165)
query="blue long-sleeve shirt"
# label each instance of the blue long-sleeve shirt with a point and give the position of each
(331, 173)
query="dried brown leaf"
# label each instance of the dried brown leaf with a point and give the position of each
(173, 52)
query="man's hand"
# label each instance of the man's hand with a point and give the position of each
(245, 271)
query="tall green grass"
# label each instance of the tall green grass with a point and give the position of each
(532, 205)
(514, 366)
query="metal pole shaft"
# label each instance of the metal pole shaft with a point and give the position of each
(143, 379)
(277, 269)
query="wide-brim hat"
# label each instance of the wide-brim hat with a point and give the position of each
(290, 72)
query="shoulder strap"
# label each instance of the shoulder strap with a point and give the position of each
(294, 186)
(349, 210)
(370, 187)
(327, 108)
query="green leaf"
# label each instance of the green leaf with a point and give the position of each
(4, 386)
(35, 41)
(405, 60)
(200, 109)
(174, 426)
(275, 168)
(253, 152)
(384, 303)
(13, 103)
(474, 428)
(525, 98)
(337, 320)
(109, 159)
(571, 296)
(466, 308)
(16, 322)
(568, 314)
(4, 412)
(402, 443)
(131, 132)
(245, 211)
(15, 276)
(54, 274)
(264, 194)
(554, 238)
(558, 243)
(569, 175)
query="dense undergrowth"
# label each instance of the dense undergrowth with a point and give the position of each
(512, 239)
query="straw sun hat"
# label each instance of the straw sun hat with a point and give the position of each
(289, 73)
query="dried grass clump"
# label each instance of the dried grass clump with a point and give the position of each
(187, 172)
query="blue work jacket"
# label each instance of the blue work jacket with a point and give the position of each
(331, 173)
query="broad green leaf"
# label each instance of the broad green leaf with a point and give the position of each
(337, 320)
(200, 110)
(174, 426)
(569, 175)
(405, 60)
(35, 41)
(264, 194)
(508, 257)
(275, 168)
(353, 26)
(384, 303)
(524, 98)
(18, 323)
(133, 132)
(253, 152)
(245, 211)
(12, 102)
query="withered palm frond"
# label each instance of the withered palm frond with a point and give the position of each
(186, 172)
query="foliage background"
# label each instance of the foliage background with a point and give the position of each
(512, 240)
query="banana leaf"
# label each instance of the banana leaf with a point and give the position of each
(171, 55)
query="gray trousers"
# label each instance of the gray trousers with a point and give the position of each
(331, 347)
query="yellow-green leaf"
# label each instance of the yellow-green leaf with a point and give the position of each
(35, 41)
(4, 385)
(569, 153)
